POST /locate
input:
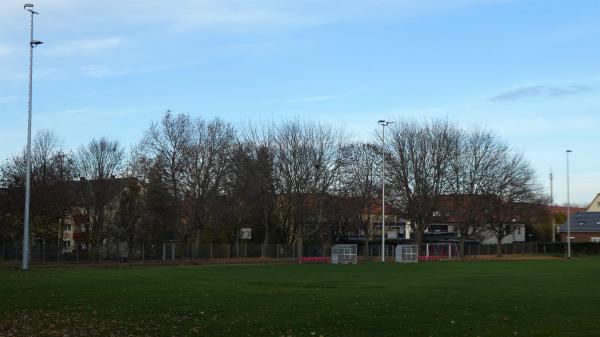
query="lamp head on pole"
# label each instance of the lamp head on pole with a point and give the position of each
(35, 43)
(384, 122)
(28, 7)
(569, 151)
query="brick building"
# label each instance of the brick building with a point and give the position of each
(585, 227)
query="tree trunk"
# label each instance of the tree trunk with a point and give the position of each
(196, 251)
(299, 245)
(418, 238)
(265, 238)
(499, 246)
(461, 244)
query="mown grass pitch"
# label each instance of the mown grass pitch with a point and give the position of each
(483, 298)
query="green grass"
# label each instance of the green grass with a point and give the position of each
(484, 298)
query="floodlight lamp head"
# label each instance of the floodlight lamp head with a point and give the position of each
(28, 7)
(569, 151)
(35, 43)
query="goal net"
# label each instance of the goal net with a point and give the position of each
(440, 251)
(407, 253)
(344, 254)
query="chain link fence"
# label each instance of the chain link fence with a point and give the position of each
(181, 252)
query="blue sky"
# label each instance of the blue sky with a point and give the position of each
(526, 69)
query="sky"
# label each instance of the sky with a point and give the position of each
(525, 69)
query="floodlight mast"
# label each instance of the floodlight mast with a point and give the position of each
(32, 44)
(568, 208)
(383, 124)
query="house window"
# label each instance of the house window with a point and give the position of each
(581, 223)
(437, 213)
(68, 227)
(67, 243)
(595, 239)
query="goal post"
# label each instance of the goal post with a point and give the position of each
(441, 250)
(344, 254)
(407, 253)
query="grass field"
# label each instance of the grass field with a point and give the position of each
(477, 298)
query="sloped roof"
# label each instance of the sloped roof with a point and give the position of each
(596, 199)
(563, 209)
(583, 222)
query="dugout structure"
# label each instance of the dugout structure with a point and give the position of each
(344, 254)
(407, 253)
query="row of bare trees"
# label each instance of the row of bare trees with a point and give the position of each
(195, 180)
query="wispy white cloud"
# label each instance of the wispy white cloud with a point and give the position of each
(84, 46)
(317, 98)
(105, 71)
(541, 90)
(192, 14)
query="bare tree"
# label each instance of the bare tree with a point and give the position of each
(99, 163)
(207, 172)
(129, 213)
(513, 198)
(361, 183)
(307, 162)
(420, 154)
(472, 175)
(253, 182)
(51, 200)
(161, 158)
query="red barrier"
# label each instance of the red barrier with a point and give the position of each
(314, 259)
(430, 258)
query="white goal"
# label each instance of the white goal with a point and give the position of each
(407, 253)
(344, 254)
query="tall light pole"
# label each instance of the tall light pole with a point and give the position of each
(568, 209)
(32, 44)
(383, 124)
(552, 205)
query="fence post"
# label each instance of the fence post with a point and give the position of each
(164, 255)
(211, 254)
(173, 251)
(76, 252)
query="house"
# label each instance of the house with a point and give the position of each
(594, 205)
(454, 210)
(74, 233)
(585, 227)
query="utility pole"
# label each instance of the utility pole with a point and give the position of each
(568, 209)
(551, 205)
(32, 44)
(383, 124)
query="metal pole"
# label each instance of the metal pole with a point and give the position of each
(383, 194)
(25, 260)
(568, 209)
(552, 204)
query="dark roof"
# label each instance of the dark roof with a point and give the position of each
(583, 222)
(563, 209)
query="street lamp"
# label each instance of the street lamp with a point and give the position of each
(32, 44)
(568, 209)
(383, 124)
